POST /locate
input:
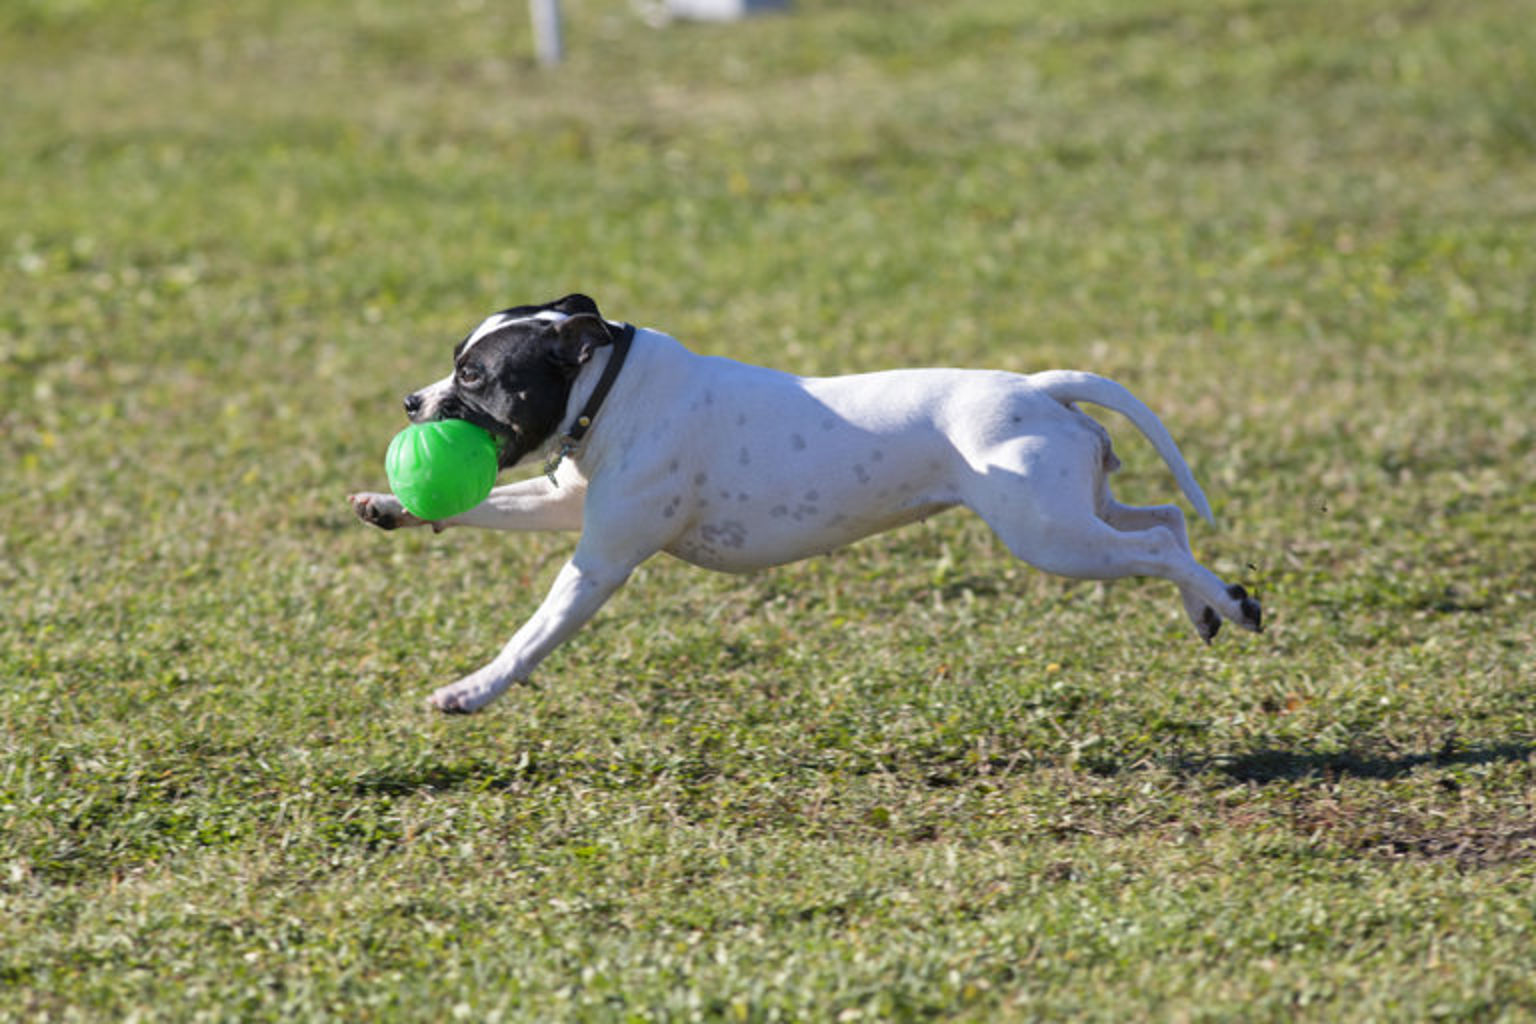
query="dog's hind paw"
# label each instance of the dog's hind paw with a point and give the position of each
(1244, 610)
(1209, 624)
(1250, 612)
(382, 510)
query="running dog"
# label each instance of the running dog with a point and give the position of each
(650, 447)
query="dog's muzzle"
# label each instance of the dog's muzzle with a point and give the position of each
(440, 402)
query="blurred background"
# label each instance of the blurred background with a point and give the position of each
(233, 235)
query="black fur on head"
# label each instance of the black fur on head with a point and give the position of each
(513, 373)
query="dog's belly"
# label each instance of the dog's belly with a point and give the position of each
(752, 537)
(802, 467)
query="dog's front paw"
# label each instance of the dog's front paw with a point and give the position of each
(383, 511)
(463, 698)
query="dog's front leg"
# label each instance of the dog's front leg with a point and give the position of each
(527, 505)
(579, 591)
(533, 504)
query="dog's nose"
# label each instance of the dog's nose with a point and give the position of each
(412, 404)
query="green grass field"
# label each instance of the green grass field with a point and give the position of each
(912, 781)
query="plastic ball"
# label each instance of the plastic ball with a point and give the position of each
(442, 468)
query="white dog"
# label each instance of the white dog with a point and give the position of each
(735, 467)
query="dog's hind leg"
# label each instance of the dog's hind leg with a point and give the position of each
(1044, 506)
(1090, 548)
(1131, 518)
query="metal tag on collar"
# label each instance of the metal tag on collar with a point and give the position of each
(553, 462)
(568, 445)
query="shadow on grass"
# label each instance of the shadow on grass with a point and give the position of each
(1267, 766)
(479, 775)
(398, 780)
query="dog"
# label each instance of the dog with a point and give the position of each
(736, 468)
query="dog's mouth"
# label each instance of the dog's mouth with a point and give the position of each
(509, 445)
(510, 448)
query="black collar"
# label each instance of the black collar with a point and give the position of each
(572, 438)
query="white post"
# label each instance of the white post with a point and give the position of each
(546, 31)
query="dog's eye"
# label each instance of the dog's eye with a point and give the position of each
(470, 375)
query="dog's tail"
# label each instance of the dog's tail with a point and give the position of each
(1067, 386)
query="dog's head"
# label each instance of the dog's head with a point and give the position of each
(513, 374)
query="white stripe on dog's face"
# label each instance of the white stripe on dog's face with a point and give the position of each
(491, 324)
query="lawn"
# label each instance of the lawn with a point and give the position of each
(914, 780)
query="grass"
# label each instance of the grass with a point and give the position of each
(915, 780)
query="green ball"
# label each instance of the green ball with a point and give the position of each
(442, 468)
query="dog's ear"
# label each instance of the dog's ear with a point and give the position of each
(574, 304)
(576, 338)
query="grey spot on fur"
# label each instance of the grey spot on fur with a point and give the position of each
(812, 495)
(779, 511)
(877, 455)
(700, 479)
(692, 552)
(797, 442)
(730, 533)
(828, 423)
(744, 457)
(861, 473)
